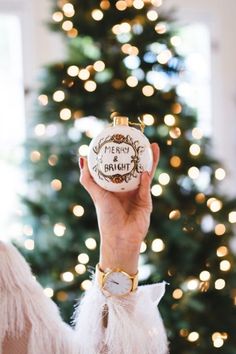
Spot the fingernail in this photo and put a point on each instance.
(81, 163)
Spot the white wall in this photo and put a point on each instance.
(219, 16)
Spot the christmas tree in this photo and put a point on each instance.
(122, 56)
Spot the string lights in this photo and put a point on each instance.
(147, 83)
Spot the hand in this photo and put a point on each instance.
(123, 218)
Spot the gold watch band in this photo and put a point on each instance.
(100, 276)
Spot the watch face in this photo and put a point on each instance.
(117, 283)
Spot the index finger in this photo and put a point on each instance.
(156, 156)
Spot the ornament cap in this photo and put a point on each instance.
(120, 120)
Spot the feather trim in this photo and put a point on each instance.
(24, 306)
(134, 324)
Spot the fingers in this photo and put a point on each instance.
(86, 179)
(146, 179)
(156, 156)
(144, 197)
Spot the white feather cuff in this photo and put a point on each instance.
(30, 322)
(134, 325)
(26, 311)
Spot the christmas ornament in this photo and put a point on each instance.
(119, 155)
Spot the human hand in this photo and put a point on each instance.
(123, 218)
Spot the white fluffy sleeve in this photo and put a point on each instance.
(128, 325)
(29, 322)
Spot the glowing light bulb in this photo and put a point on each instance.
(57, 16)
(195, 149)
(132, 81)
(156, 190)
(78, 210)
(35, 156)
(121, 5)
(174, 214)
(105, 4)
(148, 119)
(148, 90)
(91, 243)
(177, 294)
(218, 343)
(197, 133)
(67, 277)
(176, 108)
(158, 245)
(73, 70)
(214, 204)
(40, 129)
(83, 258)
(164, 179)
(169, 120)
(161, 28)
(99, 66)
(143, 247)
(232, 217)
(52, 160)
(124, 27)
(84, 74)
(164, 56)
(222, 251)
(67, 25)
(43, 100)
(152, 15)
(138, 4)
(193, 336)
(193, 284)
(86, 284)
(59, 229)
(73, 33)
(83, 150)
(56, 184)
(175, 133)
(225, 265)
(65, 114)
(58, 96)
(90, 85)
(220, 174)
(80, 269)
(97, 15)
(68, 10)
(193, 172)
(175, 161)
(204, 275)
(220, 229)
(219, 284)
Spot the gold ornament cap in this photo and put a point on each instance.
(120, 120)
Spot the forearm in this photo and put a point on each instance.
(116, 257)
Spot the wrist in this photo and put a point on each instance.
(117, 258)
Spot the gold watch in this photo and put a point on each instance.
(116, 282)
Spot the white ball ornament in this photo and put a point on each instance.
(118, 156)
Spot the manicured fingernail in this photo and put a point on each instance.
(81, 163)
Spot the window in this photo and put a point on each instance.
(195, 87)
(12, 120)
